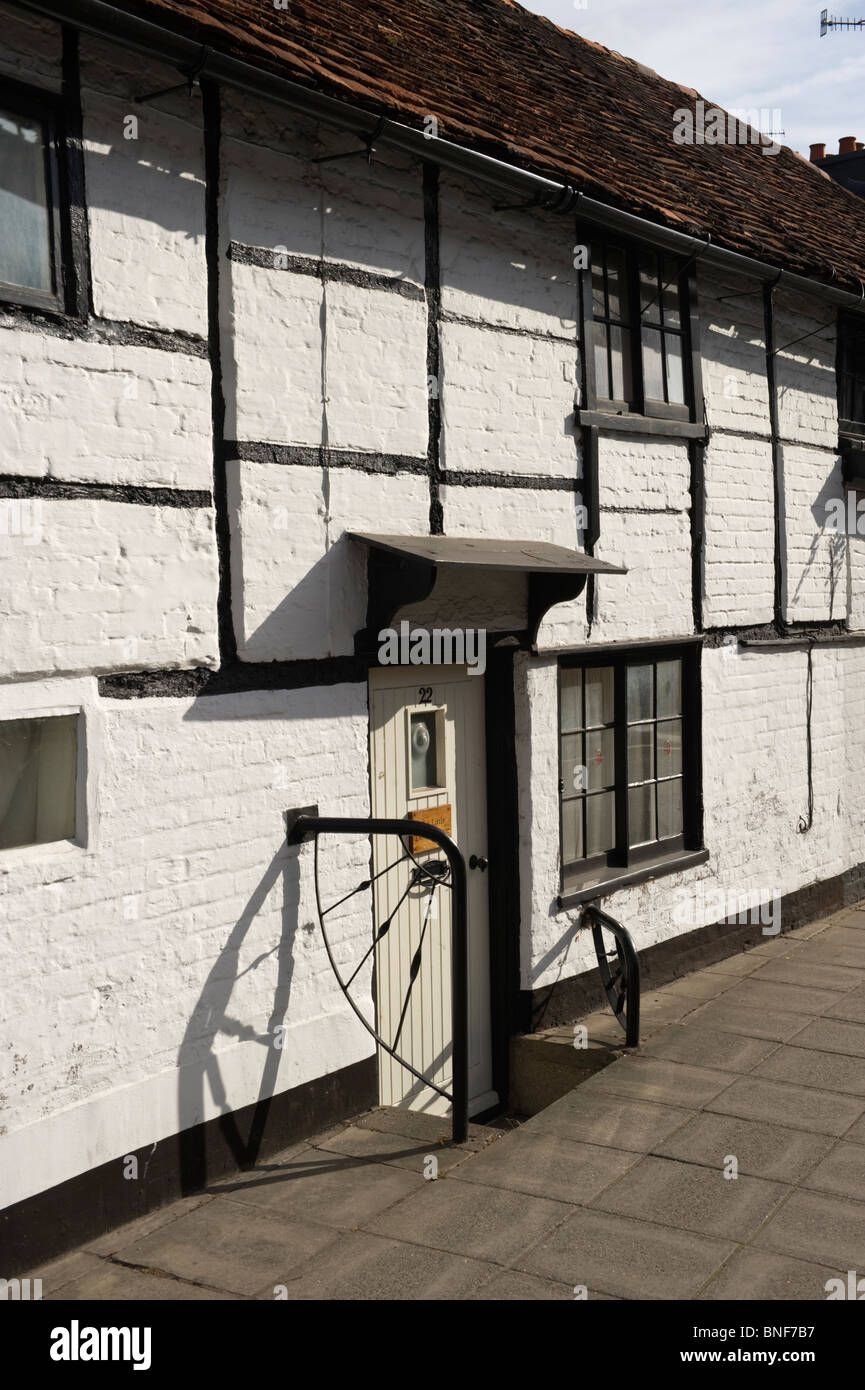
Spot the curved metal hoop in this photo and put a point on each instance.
(622, 983)
(421, 874)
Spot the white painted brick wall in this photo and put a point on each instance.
(94, 585)
(276, 196)
(273, 371)
(154, 978)
(376, 371)
(508, 269)
(279, 365)
(93, 412)
(739, 565)
(145, 201)
(654, 598)
(733, 348)
(648, 473)
(507, 402)
(501, 512)
(299, 585)
(855, 578)
(805, 346)
(815, 562)
(372, 365)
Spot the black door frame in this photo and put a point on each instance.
(503, 839)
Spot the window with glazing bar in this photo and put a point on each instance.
(628, 771)
(30, 242)
(639, 321)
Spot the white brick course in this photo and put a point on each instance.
(733, 352)
(371, 365)
(93, 412)
(146, 213)
(91, 585)
(507, 402)
(739, 563)
(814, 555)
(506, 268)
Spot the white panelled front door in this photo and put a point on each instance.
(427, 750)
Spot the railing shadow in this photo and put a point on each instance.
(198, 1062)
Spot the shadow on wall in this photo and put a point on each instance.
(198, 1061)
(822, 512)
(317, 617)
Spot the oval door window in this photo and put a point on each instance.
(423, 751)
(426, 760)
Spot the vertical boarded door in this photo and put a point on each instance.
(427, 749)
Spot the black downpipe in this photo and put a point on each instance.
(777, 479)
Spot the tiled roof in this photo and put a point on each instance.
(515, 85)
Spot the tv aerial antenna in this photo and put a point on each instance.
(826, 23)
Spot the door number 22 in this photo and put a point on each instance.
(425, 694)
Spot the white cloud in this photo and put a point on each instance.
(744, 53)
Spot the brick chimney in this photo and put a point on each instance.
(847, 167)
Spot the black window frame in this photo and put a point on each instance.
(851, 343)
(622, 859)
(36, 104)
(641, 407)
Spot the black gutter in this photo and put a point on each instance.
(189, 56)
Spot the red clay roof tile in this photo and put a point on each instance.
(515, 85)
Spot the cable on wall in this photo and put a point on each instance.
(805, 822)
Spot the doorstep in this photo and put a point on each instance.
(546, 1065)
(549, 1063)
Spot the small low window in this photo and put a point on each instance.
(38, 780)
(29, 241)
(629, 791)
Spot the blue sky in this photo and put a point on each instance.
(742, 53)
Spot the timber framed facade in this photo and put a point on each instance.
(251, 348)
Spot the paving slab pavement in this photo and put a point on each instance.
(725, 1159)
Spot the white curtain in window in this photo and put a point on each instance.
(38, 759)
